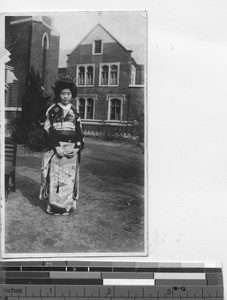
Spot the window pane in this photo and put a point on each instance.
(98, 46)
(82, 108)
(104, 75)
(115, 109)
(81, 76)
(89, 80)
(113, 75)
(90, 108)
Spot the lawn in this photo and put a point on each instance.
(110, 210)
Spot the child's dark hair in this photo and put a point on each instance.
(63, 83)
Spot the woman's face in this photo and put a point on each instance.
(65, 96)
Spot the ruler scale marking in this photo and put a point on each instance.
(117, 280)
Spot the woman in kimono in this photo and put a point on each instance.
(61, 159)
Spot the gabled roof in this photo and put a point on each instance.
(99, 25)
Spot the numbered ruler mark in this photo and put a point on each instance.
(165, 292)
(102, 291)
(109, 292)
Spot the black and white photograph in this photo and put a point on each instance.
(74, 125)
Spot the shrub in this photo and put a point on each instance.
(26, 129)
(35, 139)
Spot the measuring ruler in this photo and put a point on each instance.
(68, 280)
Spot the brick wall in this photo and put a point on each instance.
(61, 72)
(19, 34)
(25, 44)
(52, 55)
(38, 30)
(112, 52)
(136, 102)
(53, 63)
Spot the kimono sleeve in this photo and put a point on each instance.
(79, 133)
(51, 134)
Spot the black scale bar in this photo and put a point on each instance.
(72, 281)
(47, 281)
(109, 269)
(77, 269)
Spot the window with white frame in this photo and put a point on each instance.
(85, 75)
(97, 47)
(113, 74)
(109, 74)
(104, 75)
(89, 75)
(115, 106)
(115, 109)
(86, 106)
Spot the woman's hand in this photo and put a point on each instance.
(59, 151)
(71, 154)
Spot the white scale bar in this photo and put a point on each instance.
(179, 276)
(213, 265)
(135, 282)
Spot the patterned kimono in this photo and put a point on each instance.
(60, 175)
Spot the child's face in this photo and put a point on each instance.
(65, 96)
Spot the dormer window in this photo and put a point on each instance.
(97, 47)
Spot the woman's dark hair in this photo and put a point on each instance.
(63, 83)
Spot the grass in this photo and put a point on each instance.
(110, 211)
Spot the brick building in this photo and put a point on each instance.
(32, 42)
(109, 81)
(11, 91)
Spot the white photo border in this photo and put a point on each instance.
(22, 256)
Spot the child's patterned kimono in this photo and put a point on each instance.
(60, 175)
